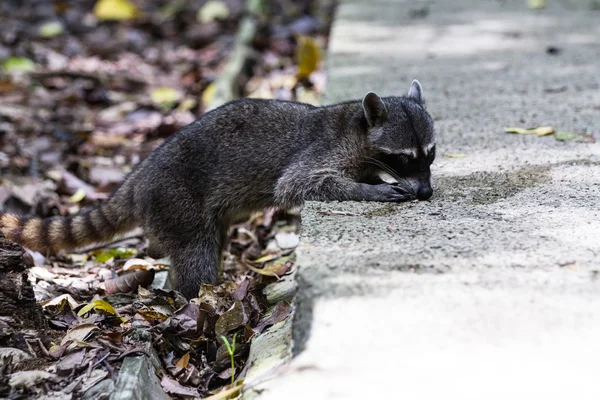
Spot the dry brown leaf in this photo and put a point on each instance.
(183, 361)
(79, 333)
(231, 319)
(130, 282)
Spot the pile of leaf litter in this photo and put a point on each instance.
(87, 90)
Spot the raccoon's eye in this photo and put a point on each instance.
(403, 158)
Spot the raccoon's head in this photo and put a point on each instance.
(403, 139)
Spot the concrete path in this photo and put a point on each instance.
(489, 290)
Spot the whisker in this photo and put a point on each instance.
(384, 167)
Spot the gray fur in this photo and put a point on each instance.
(251, 154)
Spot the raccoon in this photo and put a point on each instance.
(245, 156)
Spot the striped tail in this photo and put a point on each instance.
(97, 225)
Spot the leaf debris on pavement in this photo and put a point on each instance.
(563, 136)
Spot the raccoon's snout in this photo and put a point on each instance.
(424, 193)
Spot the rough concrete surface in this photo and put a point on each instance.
(489, 290)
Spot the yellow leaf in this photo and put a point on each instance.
(187, 104)
(308, 96)
(540, 131)
(544, 130)
(212, 10)
(536, 4)
(119, 10)
(104, 306)
(85, 309)
(208, 94)
(97, 305)
(183, 361)
(78, 196)
(458, 155)
(308, 56)
(165, 96)
(268, 257)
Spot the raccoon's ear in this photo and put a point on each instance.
(416, 92)
(374, 108)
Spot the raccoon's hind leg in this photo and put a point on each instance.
(196, 261)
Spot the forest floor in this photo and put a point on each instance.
(87, 92)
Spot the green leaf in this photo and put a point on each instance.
(536, 4)
(18, 65)
(568, 136)
(51, 29)
(226, 342)
(119, 252)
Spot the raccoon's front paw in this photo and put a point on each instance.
(388, 192)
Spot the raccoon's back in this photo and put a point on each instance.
(231, 157)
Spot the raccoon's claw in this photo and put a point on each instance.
(387, 192)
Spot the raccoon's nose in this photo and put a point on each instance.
(424, 193)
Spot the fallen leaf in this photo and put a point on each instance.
(536, 4)
(100, 305)
(90, 380)
(70, 362)
(29, 378)
(173, 387)
(62, 298)
(208, 94)
(540, 131)
(187, 104)
(308, 96)
(279, 313)
(567, 136)
(212, 10)
(268, 257)
(117, 252)
(275, 268)
(79, 333)
(50, 29)
(117, 10)
(78, 196)
(12, 354)
(242, 290)
(18, 65)
(231, 319)
(165, 96)
(457, 155)
(130, 282)
(183, 361)
(152, 316)
(137, 264)
(308, 56)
